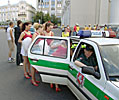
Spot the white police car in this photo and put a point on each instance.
(51, 57)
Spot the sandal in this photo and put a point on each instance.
(26, 76)
(35, 84)
(58, 89)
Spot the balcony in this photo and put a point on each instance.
(22, 15)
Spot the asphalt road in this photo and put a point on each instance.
(13, 85)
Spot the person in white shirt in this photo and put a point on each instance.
(10, 39)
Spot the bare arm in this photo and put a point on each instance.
(96, 68)
(21, 37)
(52, 34)
(11, 35)
(79, 64)
(34, 36)
(54, 46)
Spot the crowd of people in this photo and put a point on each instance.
(67, 32)
(21, 35)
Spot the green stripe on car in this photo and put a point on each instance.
(63, 66)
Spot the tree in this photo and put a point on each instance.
(44, 18)
(54, 19)
(47, 17)
(39, 16)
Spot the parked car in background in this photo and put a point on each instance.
(32, 30)
(55, 26)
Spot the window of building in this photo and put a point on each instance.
(59, 11)
(53, 12)
(53, 5)
(45, 12)
(59, 17)
(58, 5)
(22, 7)
(39, 6)
(5, 10)
(52, 0)
(8, 9)
(43, 6)
(47, 6)
(58, 1)
(52, 8)
(47, 0)
(17, 8)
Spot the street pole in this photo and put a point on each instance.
(41, 11)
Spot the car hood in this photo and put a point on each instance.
(116, 83)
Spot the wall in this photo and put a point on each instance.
(86, 12)
(114, 11)
(104, 7)
(83, 12)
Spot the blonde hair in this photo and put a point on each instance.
(37, 26)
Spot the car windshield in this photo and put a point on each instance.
(110, 57)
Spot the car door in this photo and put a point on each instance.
(87, 86)
(50, 56)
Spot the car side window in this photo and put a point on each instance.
(77, 52)
(56, 48)
(37, 47)
(80, 54)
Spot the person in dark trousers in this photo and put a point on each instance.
(18, 30)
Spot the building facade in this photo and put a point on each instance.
(85, 12)
(53, 7)
(114, 12)
(20, 11)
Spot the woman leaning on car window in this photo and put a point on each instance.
(48, 32)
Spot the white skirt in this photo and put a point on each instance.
(23, 52)
(25, 45)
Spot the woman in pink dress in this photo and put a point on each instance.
(61, 50)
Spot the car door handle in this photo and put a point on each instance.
(71, 67)
(34, 60)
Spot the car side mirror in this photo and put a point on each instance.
(90, 71)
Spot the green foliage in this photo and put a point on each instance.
(39, 15)
(54, 19)
(45, 18)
